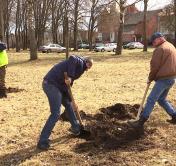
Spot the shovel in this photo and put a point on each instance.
(75, 108)
(142, 103)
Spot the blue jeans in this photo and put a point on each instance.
(159, 94)
(55, 99)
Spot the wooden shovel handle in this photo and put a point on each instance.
(75, 108)
(142, 103)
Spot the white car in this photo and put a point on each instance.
(52, 48)
(134, 45)
(106, 47)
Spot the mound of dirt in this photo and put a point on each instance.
(109, 126)
(13, 90)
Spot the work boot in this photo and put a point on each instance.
(172, 121)
(43, 145)
(85, 134)
(137, 124)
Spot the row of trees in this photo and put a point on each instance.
(30, 19)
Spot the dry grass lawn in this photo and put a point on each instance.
(113, 79)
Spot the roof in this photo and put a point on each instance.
(135, 18)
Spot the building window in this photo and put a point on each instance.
(100, 36)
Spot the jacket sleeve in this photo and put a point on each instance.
(72, 62)
(155, 63)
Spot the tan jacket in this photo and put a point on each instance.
(163, 62)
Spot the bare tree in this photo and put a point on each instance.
(56, 14)
(32, 39)
(122, 5)
(8, 8)
(2, 35)
(42, 9)
(96, 7)
(145, 25)
(66, 27)
(168, 18)
(18, 22)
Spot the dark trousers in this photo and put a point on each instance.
(2, 81)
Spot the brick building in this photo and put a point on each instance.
(108, 23)
(133, 25)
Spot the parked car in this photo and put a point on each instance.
(136, 45)
(127, 45)
(106, 47)
(52, 48)
(83, 46)
(132, 45)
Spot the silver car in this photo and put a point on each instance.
(52, 48)
(106, 47)
(134, 45)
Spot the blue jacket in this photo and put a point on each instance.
(74, 66)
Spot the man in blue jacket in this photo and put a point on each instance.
(55, 87)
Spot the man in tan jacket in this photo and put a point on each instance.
(163, 72)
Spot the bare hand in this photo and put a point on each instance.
(148, 81)
(68, 81)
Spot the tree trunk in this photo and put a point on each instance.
(32, 39)
(120, 32)
(145, 26)
(2, 36)
(17, 29)
(66, 36)
(76, 25)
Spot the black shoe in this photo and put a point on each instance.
(43, 145)
(85, 134)
(172, 121)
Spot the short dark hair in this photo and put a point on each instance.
(2, 46)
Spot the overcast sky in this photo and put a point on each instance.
(152, 4)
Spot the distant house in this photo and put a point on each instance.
(166, 23)
(133, 26)
(108, 24)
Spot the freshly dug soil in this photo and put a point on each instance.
(13, 90)
(109, 127)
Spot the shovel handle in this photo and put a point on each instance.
(142, 103)
(75, 108)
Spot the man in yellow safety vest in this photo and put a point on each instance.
(3, 64)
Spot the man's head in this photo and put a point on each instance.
(89, 62)
(156, 39)
(2, 46)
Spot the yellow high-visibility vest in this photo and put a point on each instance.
(3, 58)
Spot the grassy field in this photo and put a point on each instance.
(112, 79)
